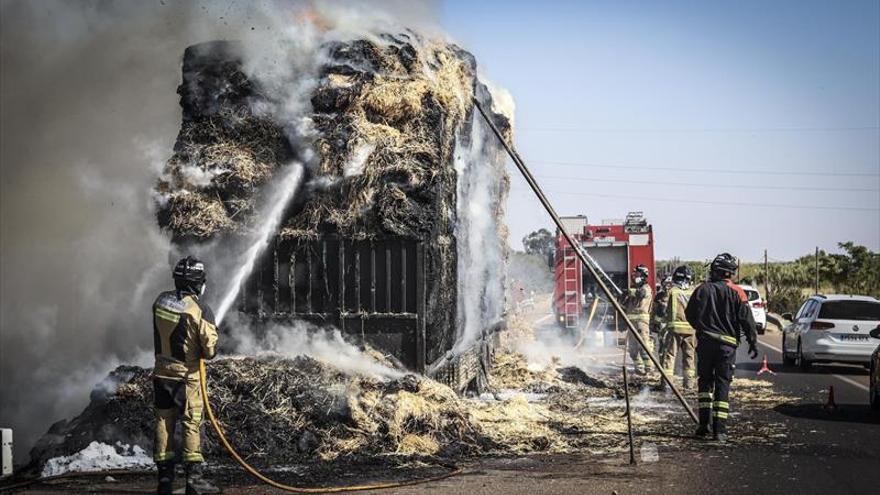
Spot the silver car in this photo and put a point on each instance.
(832, 328)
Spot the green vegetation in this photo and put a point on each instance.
(540, 242)
(855, 270)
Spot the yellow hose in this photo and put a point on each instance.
(294, 489)
(589, 322)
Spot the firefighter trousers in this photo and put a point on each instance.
(638, 355)
(672, 342)
(177, 400)
(715, 365)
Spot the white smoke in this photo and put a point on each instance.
(301, 338)
(480, 249)
(502, 100)
(355, 166)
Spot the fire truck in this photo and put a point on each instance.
(617, 246)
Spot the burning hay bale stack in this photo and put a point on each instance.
(226, 149)
(397, 169)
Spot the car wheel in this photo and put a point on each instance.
(802, 363)
(787, 360)
(761, 329)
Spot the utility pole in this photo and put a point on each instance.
(766, 282)
(817, 269)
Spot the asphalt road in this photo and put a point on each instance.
(824, 452)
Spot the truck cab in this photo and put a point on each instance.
(617, 246)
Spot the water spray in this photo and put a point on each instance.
(278, 201)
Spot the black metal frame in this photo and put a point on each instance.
(373, 289)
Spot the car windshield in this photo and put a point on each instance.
(850, 310)
(753, 295)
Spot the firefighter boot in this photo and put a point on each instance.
(687, 383)
(702, 432)
(720, 431)
(166, 478)
(196, 484)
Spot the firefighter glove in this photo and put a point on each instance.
(753, 351)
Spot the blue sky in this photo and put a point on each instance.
(704, 115)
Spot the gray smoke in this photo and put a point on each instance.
(89, 115)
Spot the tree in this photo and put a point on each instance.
(540, 242)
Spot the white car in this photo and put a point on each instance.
(759, 310)
(832, 328)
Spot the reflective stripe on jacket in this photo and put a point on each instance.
(638, 304)
(719, 309)
(676, 303)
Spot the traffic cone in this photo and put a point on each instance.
(765, 367)
(831, 405)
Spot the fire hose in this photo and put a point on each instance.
(295, 489)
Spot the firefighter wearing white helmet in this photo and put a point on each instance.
(637, 304)
(183, 333)
(679, 334)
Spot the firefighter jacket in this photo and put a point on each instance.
(676, 302)
(720, 310)
(183, 332)
(637, 303)
(658, 310)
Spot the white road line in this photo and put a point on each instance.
(839, 377)
(544, 318)
(852, 382)
(770, 346)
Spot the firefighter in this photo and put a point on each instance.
(658, 313)
(679, 334)
(637, 304)
(720, 313)
(183, 332)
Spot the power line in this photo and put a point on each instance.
(719, 203)
(722, 186)
(711, 171)
(673, 130)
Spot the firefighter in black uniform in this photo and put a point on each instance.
(720, 313)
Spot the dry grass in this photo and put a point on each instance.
(197, 214)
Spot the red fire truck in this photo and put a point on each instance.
(617, 246)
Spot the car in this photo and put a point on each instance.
(759, 310)
(874, 377)
(831, 328)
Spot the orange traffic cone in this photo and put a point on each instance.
(831, 405)
(765, 367)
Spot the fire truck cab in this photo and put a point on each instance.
(618, 246)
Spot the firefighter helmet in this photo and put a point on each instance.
(724, 265)
(682, 274)
(640, 275)
(189, 272)
(641, 271)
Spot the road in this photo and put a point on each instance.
(823, 452)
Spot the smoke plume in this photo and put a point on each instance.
(89, 115)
